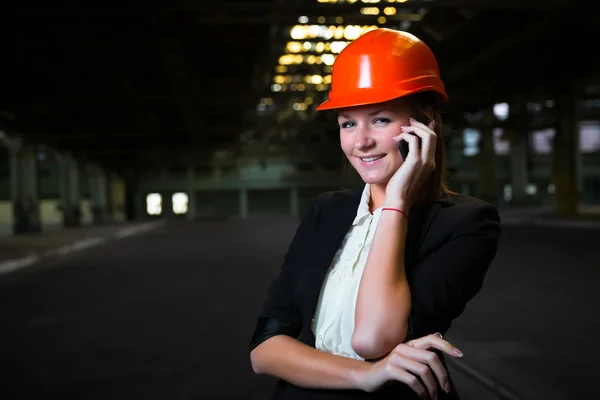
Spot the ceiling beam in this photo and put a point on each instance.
(510, 43)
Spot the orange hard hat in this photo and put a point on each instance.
(381, 65)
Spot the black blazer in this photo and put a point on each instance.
(450, 244)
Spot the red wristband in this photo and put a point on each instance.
(395, 209)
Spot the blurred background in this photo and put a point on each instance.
(155, 158)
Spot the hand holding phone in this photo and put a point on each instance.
(404, 187)
(402, 145)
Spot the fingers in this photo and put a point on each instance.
(422, 371)
(435, 341)
(428, 138)
(414, 152)
(431, 362)
(400, 375)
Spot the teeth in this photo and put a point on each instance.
(371, 159)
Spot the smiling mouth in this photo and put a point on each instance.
(371, 159)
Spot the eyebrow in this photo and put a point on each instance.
(372, 113)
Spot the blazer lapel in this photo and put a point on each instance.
(336, 220)
(420, 218)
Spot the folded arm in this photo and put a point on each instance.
(275, 350)
(443, 283)
(440, 285)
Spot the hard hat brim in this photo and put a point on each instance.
(368, 97)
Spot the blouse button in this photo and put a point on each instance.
(320, 337)
(360, 245)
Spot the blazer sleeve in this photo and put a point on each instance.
(444, 282)
(279, 314)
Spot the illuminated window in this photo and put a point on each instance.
(501, 145)
(589, 137)
(501, 111)
(541, 141)
(471, 139)
(180, 203)
(154, 204)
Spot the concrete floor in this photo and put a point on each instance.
(169, 314)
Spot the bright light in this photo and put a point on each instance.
(328, 59)
(337, 47)
(154, 204)
(352, 32)
(317, 79)
(369, 11)
(294, 47)
(501, 111)
(180, 203)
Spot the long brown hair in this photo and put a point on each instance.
(436, 185)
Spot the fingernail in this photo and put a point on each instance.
(447, 388)
(439, 334)
(458, 352)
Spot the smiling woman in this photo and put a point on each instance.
(375, 275)
(367, 133)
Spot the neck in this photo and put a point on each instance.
(377, 196)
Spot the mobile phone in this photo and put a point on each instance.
(402, 145)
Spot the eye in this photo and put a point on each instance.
(347, 124)
(382, 120)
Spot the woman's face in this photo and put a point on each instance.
(366, 137)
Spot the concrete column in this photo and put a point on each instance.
(486, 159)
(244, 203)
(191, 192)
(99, 194)
(70, 191)
(140, 206)
(578, 155)
(24, 190)
(294, 201)
(518, 167)
(565, 177)
(116, 197)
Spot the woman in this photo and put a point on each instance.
(374, 276)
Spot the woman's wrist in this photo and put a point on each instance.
(357, 375)
(397, 204)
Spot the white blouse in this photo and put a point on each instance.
(333, 323)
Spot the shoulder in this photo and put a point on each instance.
(335, 200)
(464, 214)
(332, 206)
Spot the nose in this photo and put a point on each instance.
(363, 139)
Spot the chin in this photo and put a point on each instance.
(374, 179)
